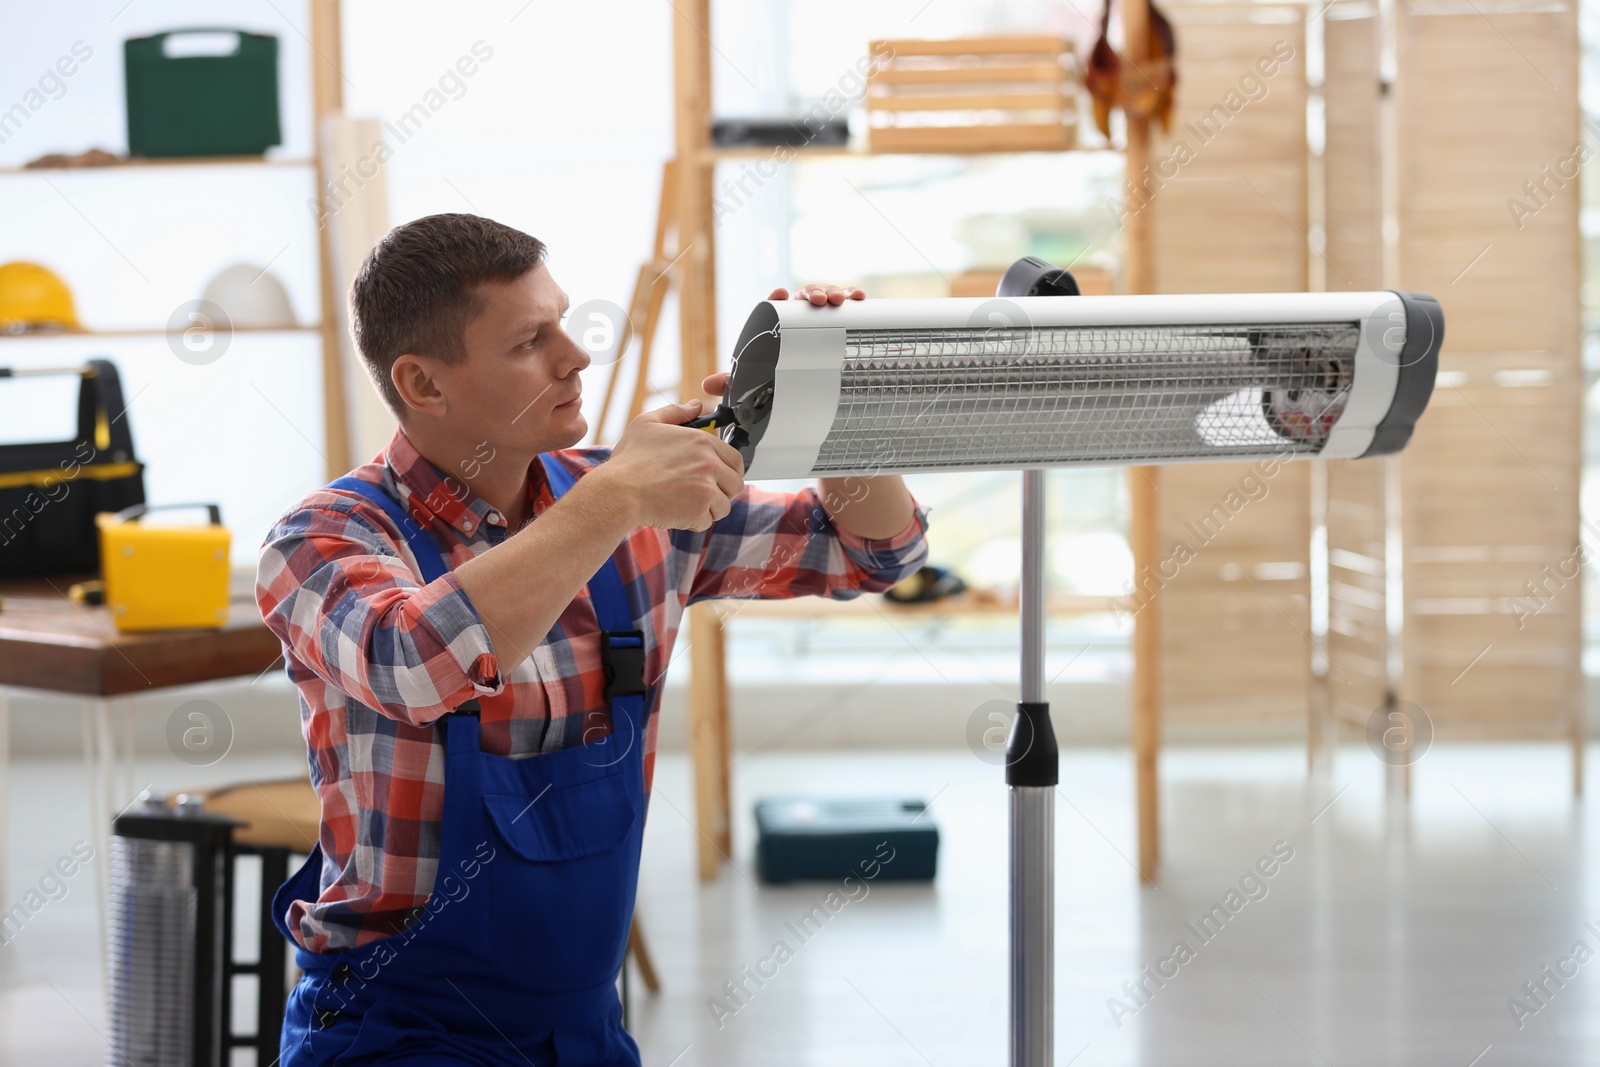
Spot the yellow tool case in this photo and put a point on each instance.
(164, 576)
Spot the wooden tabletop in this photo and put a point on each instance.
(48, 642)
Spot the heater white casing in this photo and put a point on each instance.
(812, 347)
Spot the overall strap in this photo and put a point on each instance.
(621, 642)
(431, 562)
(560, 478)
(422, 545)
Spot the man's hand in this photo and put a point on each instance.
(819, 295)
(659, 474)
(673, 476)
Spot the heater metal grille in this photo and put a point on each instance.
(1013, 396)
(152, 952)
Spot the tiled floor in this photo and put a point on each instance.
(1392, 935)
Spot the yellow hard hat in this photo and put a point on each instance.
(33, 298)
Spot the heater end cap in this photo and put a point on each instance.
(1418, 364)
(750, 388)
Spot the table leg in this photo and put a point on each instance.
(91, 777)
(105, 732)
(5, 791)
(126, 792)
(99, 761)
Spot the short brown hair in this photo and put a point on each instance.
(416, 291)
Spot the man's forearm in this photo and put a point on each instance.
(521, 586)
(874, 508)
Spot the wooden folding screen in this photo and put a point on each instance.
(1488, 145)
(1229, 189)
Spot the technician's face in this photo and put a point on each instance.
(518, 387)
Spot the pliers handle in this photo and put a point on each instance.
(718, 417)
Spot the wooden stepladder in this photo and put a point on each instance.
(649, 295)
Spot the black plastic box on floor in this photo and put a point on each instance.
(806, 839)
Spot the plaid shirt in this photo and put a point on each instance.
(377, 656)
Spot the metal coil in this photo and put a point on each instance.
(1011, 396)
(152, 919)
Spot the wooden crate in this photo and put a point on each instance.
(1014, 93)
(1489, 484)
(1233, 218)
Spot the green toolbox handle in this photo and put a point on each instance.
(234, 30)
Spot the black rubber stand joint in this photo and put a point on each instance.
(1031, 755)
(1032, 276)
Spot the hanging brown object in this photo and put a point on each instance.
(1152, 94)
(1144, 88)
(1102, 76)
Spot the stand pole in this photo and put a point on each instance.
(1032, 772)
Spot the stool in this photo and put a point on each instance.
(281, 819)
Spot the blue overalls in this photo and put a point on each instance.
(514, 959)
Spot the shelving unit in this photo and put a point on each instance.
(696, 160)
(327, 99)
(100, 753)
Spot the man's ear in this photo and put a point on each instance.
(413, 379)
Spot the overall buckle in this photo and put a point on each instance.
(622, 655)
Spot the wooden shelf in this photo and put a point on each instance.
(873, 605)
(63, 334)
(158, 164)
(718, 155)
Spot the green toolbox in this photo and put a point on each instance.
(804, 839)
(202, 92)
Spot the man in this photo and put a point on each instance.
(478, 622)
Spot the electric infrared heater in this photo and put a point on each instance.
(1040, 377)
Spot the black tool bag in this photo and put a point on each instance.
(50, 492)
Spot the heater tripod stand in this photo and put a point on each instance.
(1032, 759)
